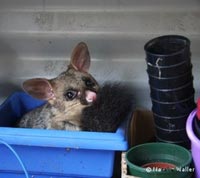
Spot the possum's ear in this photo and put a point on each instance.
(39, 88)
(80, 58)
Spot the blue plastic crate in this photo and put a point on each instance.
(53, 153)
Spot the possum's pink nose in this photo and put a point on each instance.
(90, 96)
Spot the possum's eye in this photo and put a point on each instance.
(88, 82)
(71, 94)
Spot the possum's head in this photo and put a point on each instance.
(70, 91)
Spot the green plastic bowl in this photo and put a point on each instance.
(159, 160)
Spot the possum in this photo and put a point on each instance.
(75, 100)
(66, 95)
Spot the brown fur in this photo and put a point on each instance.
(60, 112)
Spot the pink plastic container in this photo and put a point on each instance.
(195, 142)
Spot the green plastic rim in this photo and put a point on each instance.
(149, 151)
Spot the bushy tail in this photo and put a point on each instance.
(114, 103)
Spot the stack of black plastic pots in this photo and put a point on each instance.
(169, 70)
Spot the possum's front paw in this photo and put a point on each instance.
(63, 125)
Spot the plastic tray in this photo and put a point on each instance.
(53, 153)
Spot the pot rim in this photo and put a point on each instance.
(169, 117)
(189, 84)
(189, 129)
(169, 130)
(143, 170)
(171, 66)
(188, 73)
(173, 102)
(172, 142)
(153, 41)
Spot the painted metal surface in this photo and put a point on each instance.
(37, 36)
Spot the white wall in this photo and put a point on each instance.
(37, 36)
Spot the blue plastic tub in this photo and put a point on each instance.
(52, 153)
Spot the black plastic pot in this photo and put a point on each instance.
(169, 71)
(170, 82)
(167, 50)
(178, 135)
(173, 109)
(173, 95)
(170, 123)
(183, 143)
